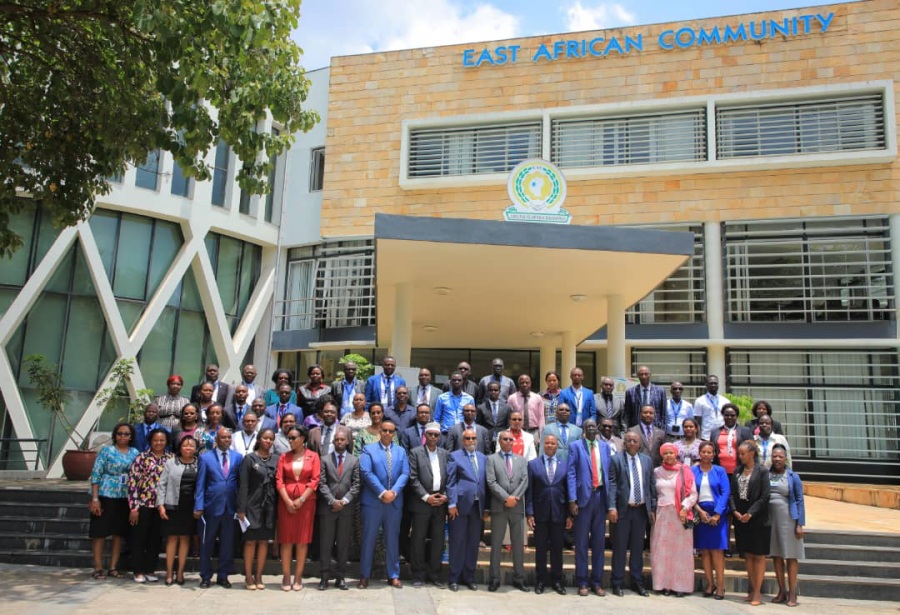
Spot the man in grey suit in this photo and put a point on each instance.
(493, 411)
(454, 436)
(507, 481)
(610, 406)
(652, 437)
(563, 431)
(428, 505)
(338, 488)
(425, 392)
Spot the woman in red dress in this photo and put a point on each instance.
(296, 480)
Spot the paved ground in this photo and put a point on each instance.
(34, 590)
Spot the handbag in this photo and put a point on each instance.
(691, 521)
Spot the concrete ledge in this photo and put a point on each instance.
(881, 496)
(22, 474)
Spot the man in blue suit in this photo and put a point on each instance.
(588, 483)
(275, 412)
(382, 388)
(579, 399)
(632, 506)
(384, 471)
(467, 500)
(142, 430)
(545, 511)
(644, 394)
(214, 505)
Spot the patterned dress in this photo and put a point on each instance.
(170, 410)
(672, 546)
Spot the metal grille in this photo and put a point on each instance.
(809, 271)
(686, 365)
(838, 124)
(682, 296)
(833, 404)
(469, 151)
(643, 139)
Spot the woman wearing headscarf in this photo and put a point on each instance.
(750, 508)
(171, 403)
(788, 516)
(711, 510)
(671, 538)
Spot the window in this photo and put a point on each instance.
(647, 139)
(237, 267)
(244, 201)
(317, 169)
(809, 271)
(220, 174)
(181, 184)
(147, 175)
(467, 151)
(839, 124)
(682, 296)
(687, 365)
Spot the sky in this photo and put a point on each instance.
(347, 27)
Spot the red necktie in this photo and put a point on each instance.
(341, 465)
(595, 476)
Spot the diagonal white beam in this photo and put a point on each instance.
(258, 308)
(105, 295)
(15, 406)
(214, 311)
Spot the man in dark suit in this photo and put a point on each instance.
(321, 439)
(221, 391)
(564, 432)
(284, 405)
(214, 504)
(233, 411)
(609, 406)
(344, 389)
(428, 505)
(506, 384)
(652, 437)
(493, 412)
(507, 480)
(382, 388)
(454, 436)
(142, 430)
(384, 471)
(467, 500)
(631, 508)
(338, 489)
(642, 394)
(580, 399)
(545, 510)
(588, 486)
(414, 436)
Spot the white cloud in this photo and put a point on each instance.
(600, 17)
(347, 27)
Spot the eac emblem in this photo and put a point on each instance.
(537, 189)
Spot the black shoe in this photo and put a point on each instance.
(454, 587)
(559, 589)
(323, 585)
(640, 590)
(678, 594)
(520, 585)
(204, 583)
(472, 586)
(617, 590)
(224, 583)
(665, 592)
(341, 584)
(539, 588)
(438, 585)
(493, 586)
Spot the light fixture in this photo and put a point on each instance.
(537, 334)
(577, 298)
(430, 328)
(442, 290)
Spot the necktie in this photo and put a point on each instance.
(422, 432)
(388, 392)
(326, 439)
(643, 397)
(494, 411)
(595, 462)
(474, 462)
(609, 407)
(240, 413)
(225, 463)
(635, 483)
(648, 432)
(508, 464)
(390, 464)
(340, 465)
(564, 433)
(281, 414)
(551, 468)
(525, 409)
(423, 395)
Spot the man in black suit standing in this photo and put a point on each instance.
(631, 509)
(233, 412)
(338, 489)
(652, 437)
(609, 406)
(493, 412)
(642, 394)
(454, 436)
(221, 391)
(428, 505)
(545, 510)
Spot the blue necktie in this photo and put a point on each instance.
(635, 483)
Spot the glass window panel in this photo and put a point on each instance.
(167, 241)
(220, 174)
(133, 257)
(44, 330)
(189, 345)
(47, 234)
(14, 271)
(210, 352)
(190, 296)
(105, 228)
(181, 185)
(84, 336)
(82, 282)
(156, 355)
(227, 273)
(131, 312)
(7, 296)
(61, 280)
(212, 248)
(249, 276)
(147, 173)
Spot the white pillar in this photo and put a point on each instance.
(894, 222)
(615, 337)
(715, 360)
(715, 299)
(548, 358)
(401, 340)
(568, 357)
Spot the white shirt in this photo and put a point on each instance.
(709, 410)
(251, 393)
(242, 442)
(679, 412)
(435, 462)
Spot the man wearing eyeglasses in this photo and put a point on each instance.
(507, 480)
(384, 470)
(467, 495)
(428, 505)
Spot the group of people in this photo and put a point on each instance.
(379, 463)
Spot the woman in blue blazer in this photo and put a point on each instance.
(711, 514)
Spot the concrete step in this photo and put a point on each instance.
(30, 525)
(44, 510)
(44, 542)
(43, 496)
(853, 553)
(861, 539)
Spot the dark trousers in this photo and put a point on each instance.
(629, 536)
(590, 531)
(145, 541)
(465, 532)
(425, 560)
(335, 525)
(548, 535)
(211, 528)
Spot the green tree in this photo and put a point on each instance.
(87, 86)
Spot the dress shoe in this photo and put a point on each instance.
(665, 592)
(472, 586)
(617, 590)
(454, 587)
(224, 583)
(438, 585)
(640, 590)
(583, 591)
(596, 589)
(323, 585)
(520, 585)
(341, 584)
(539, 588)
(395, 583)
(417, 583)
(493, 586)
(559, 589)
(678, 594)
(204, 583)
(363, 584)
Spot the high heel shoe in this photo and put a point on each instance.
(709, 591)
(168, 582)
(286, 584)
